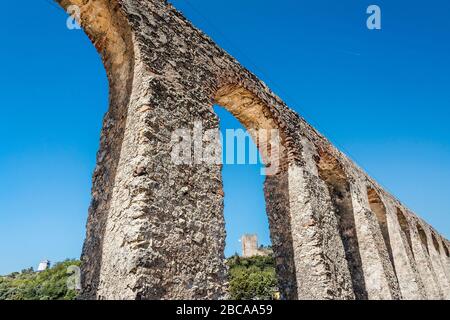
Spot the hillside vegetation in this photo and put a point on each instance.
(249, 279)
(252, 278)
(50, 284)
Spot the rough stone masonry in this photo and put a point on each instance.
(156, 230)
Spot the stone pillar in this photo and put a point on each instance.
(378, 271)
(410, 283)
(437, 265)
(321, 267)
(165, 233)
(156, 228)
(422, 257)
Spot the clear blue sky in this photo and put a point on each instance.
(383, 97)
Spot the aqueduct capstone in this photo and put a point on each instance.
(156, 229)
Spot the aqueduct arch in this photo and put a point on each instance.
(156, 229)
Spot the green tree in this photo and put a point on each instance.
(252, 278)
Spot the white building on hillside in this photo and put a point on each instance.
(44, 265)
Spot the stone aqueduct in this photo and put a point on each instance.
(156, 230)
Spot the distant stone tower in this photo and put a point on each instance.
(250, 246)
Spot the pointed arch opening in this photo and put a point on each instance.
(435, 242)
(379, 209)
(446, 251)
(248, 248)
(404, 226)
(423, 237)
(262, 128)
